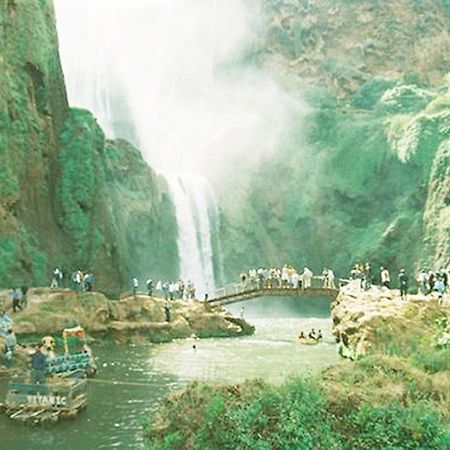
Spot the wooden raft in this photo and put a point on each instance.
(60, 398)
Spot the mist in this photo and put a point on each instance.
(282, 307)
(170, 76)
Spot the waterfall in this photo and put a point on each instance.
(197, 218)
(170, 77)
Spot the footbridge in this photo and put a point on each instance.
(239, 292)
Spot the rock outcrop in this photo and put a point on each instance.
(364, 319)
(132, 317)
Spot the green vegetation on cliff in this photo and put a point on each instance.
(32, 107)
(361, 174)
(81, 185)
(67, 198)
(115, 212)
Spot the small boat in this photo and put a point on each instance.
(309, 341)
(60, 398)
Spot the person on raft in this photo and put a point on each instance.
(301, 335)
(313, 335)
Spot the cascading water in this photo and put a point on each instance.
(196, 217)
(168, 76)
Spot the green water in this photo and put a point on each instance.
(132, 379)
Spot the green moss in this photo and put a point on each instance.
(371, 92)
(81, 182)
(21, 261)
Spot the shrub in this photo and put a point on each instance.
(395, 427)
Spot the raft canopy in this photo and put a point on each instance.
(73, 332)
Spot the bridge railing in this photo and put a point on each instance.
(250, 286)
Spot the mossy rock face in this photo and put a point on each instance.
(351, 185)
(351, 179)
(32, 108)
(142, 214)
(116, 211)
(64, 199)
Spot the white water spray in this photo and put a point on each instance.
(196, 216)
(168, 76)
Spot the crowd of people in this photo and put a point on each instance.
(286, 277)
(428, 281)
(79, 281)
(170, 290)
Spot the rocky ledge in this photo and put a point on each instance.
(360, 316)
(131, 317)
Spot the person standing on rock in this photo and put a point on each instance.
(16, 300)
(367, 276)
(149, 284)
(439, 287)
(385, 277)
(56, 280)
(403, 280)
(423, 282)
(24, 300)
(135, 284)
(165, 290)
(78, 280)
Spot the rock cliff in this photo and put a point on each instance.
(68, 198)
(362, 173)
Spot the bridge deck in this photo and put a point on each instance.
(246, 293)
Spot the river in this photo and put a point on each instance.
(131, 379)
